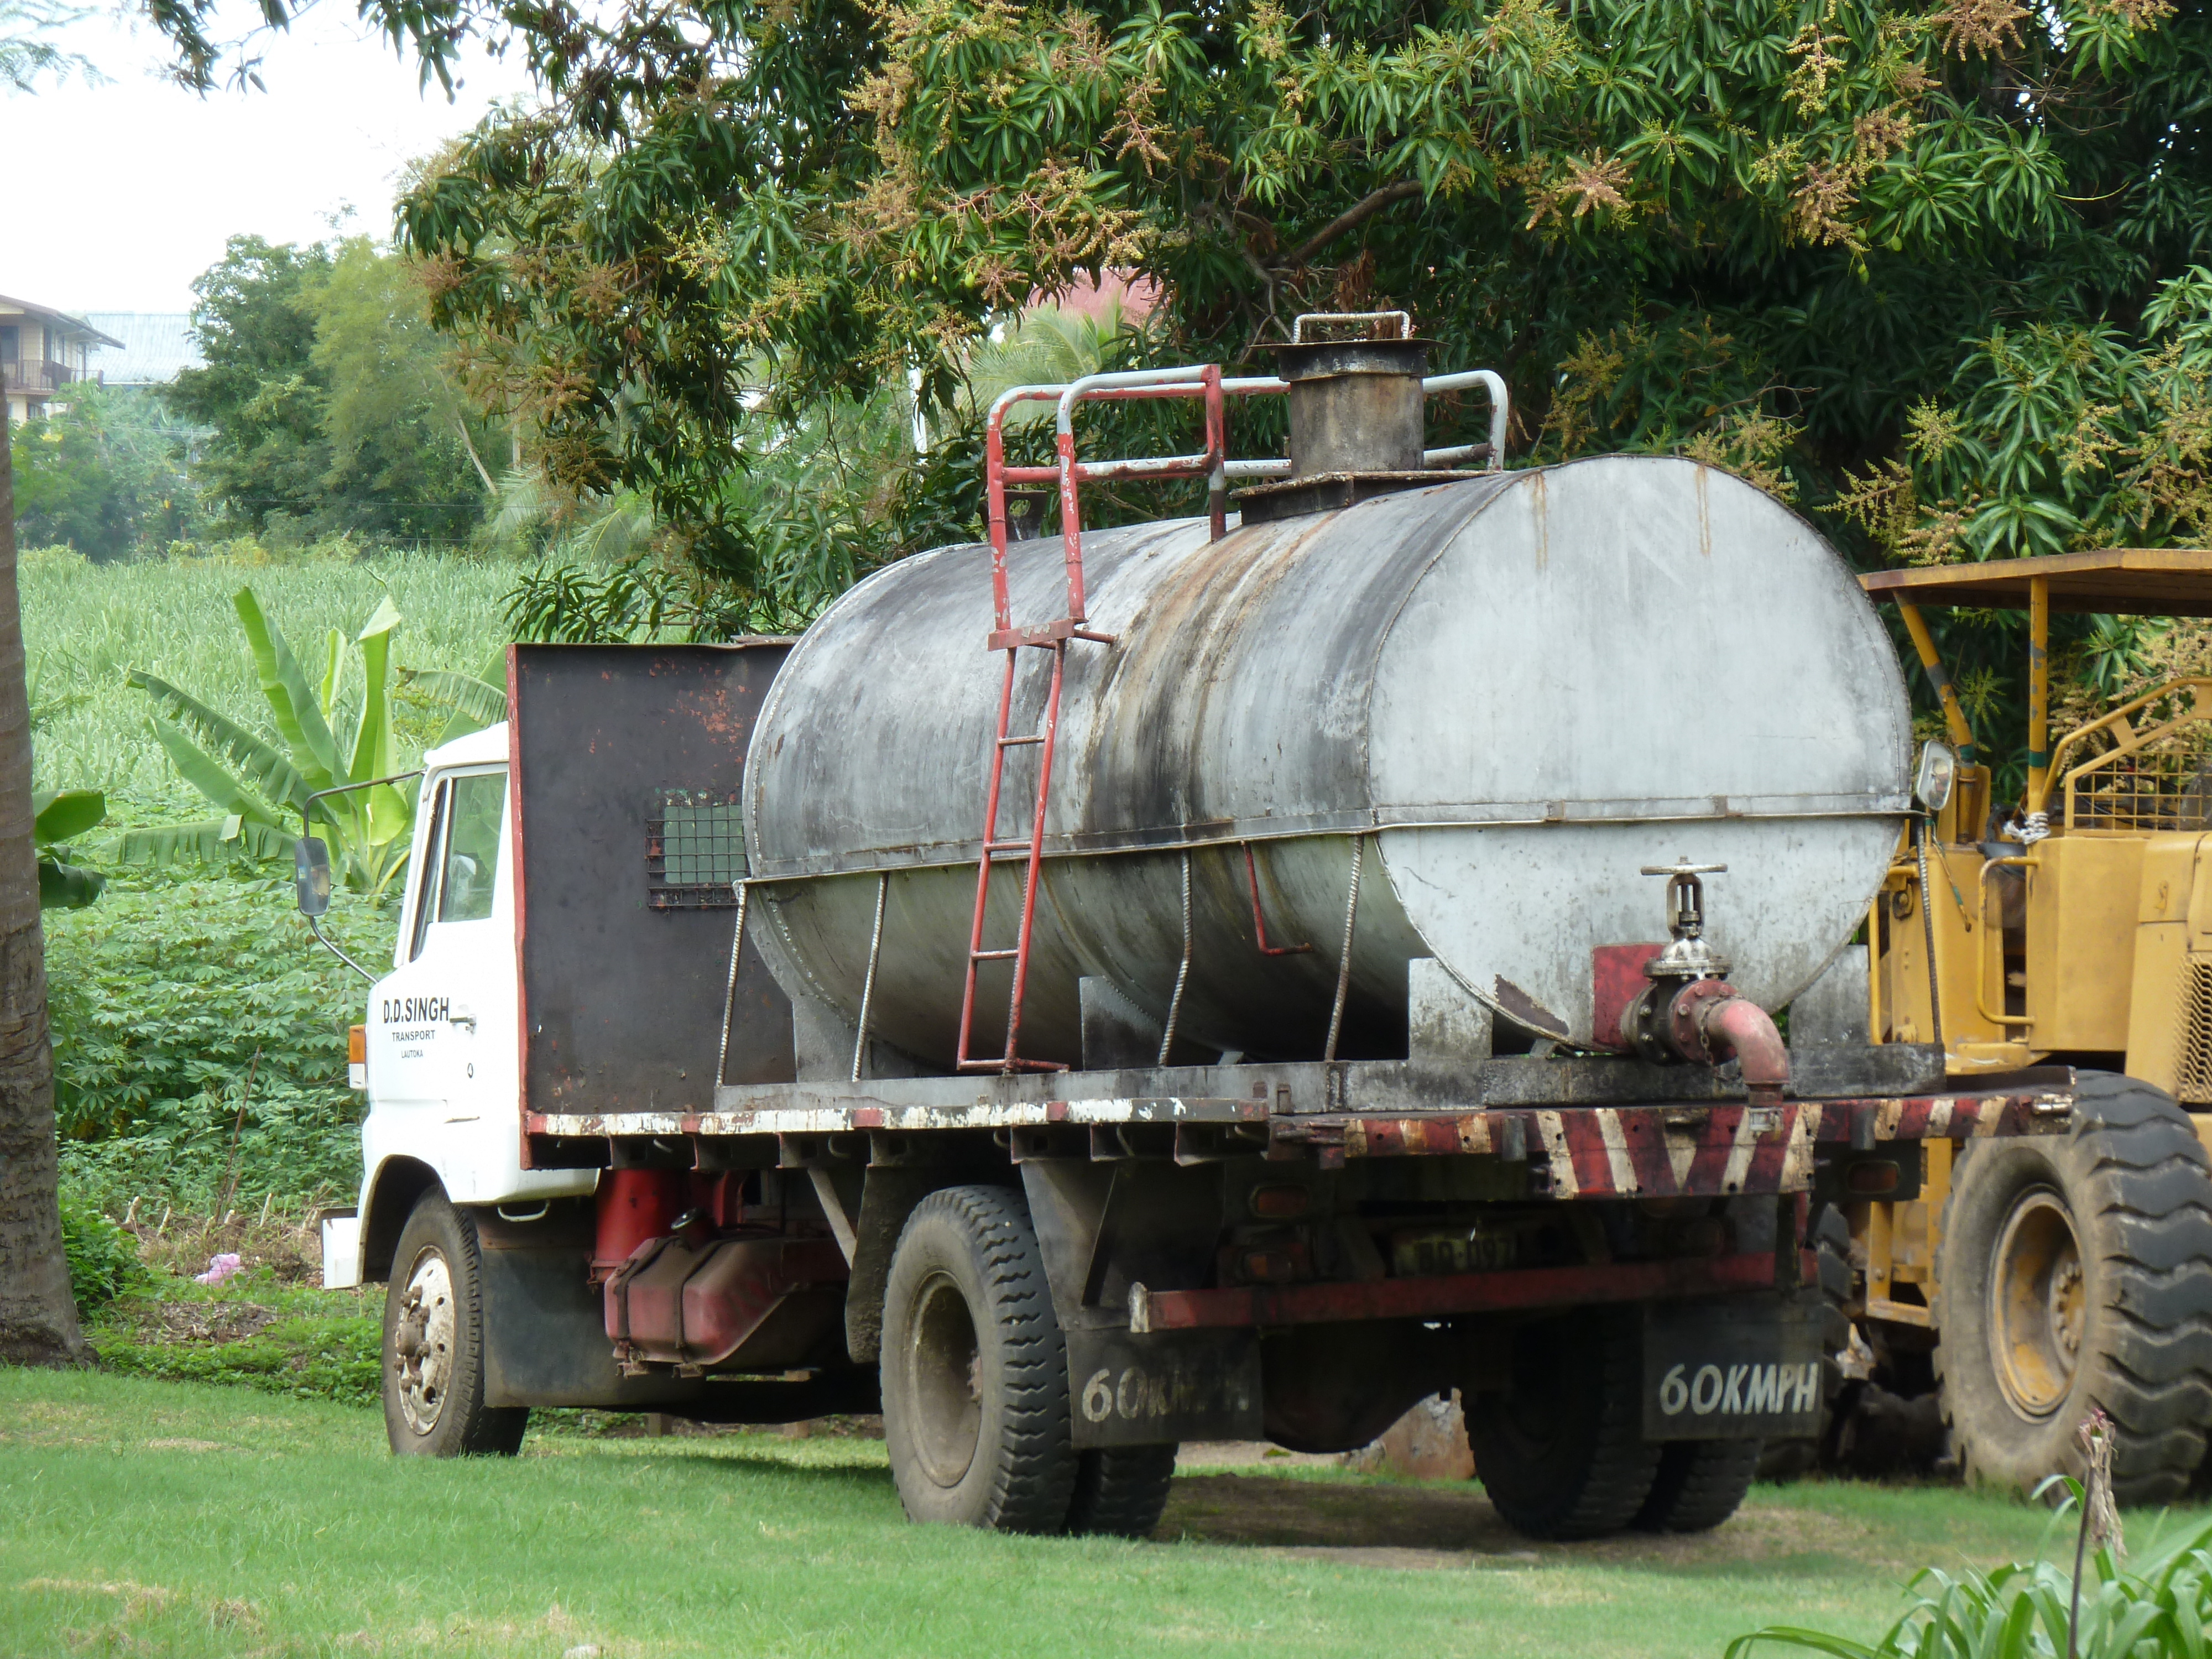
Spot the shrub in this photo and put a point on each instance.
(103, 1259)
(167, 996)
(305, 1357)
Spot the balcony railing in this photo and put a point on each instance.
(32, 374)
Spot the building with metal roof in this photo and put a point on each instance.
(153, 346)
(42, 352)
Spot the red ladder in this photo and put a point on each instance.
(1203, 381)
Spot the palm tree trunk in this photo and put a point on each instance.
(38, 1316)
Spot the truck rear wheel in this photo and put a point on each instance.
(1121, 1493)
(1698, 1486)
(434, 1346)
(1562, 1453)
(974, 1369)
(2074, 1273)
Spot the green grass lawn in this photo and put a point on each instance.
(149, 1517)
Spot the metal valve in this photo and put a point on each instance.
(1685, 894)
(1689, 956)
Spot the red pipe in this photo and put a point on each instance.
(1737, 1026)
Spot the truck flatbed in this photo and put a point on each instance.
(1600, 1126)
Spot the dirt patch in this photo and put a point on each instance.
(1241, 1454)
(291, 1249)
(1418, 1527)
(202, 1322)
(136, 1598)
(185, 1445)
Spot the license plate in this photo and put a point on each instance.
(1746, 1369)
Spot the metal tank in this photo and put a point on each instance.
(1496, 699)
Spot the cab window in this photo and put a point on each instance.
(426, 897)
(471, 865)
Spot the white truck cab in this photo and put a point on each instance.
(442, 1045)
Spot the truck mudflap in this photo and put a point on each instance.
(1130, 1390)
(1746, 1369)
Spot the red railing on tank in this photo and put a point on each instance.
(1069, 473)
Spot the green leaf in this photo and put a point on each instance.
(299, 718)
(1792, 1635)
(372, 741)
(333, 671)
(201, 771)
(215, 841)
(67, 886)
(476, 703)
(65, 814)
(259, 762)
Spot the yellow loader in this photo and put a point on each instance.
(2024, 1282)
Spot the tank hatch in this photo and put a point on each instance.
(1357, 427)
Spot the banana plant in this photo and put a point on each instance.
(262, 787)
(60, 816)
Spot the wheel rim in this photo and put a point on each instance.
(2038, 1304)
(945, 1381)
(422, 1342)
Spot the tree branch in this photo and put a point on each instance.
(1358, 214)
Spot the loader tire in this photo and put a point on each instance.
(974, 1369)
(1121, 1493)
(1562, 1453)
(2076, 1271)
(1830, 1293)
(433, 1343)
(1698, 1486)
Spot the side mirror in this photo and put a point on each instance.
(311, 875)
(1938, 772)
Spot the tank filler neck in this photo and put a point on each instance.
(1357, 386)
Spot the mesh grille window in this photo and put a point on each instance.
(695, 850)
(2168, 787)
(2193, 1086)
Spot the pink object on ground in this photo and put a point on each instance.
(218, 1268)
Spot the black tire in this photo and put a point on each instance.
(1698, 1486)
(1121, 1493)
(434, 1346)
(974, 1369)
(1562, 1454)
(2076, 1271)
(1831, 1292)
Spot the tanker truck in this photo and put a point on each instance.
(1225, 978)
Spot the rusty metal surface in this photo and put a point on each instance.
(1327, 492)
(1508, 1290)
(1687, 1131)
(1356, 406)
(622, 1002)
(1479, 670)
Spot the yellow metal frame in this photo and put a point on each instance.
(1982, 956)
(2134, 741)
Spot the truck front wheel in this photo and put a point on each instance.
(1561, 1453)
(974, 1369)
(2077, 1272)
(434, 1346)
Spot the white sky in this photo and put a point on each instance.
(134, 185)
